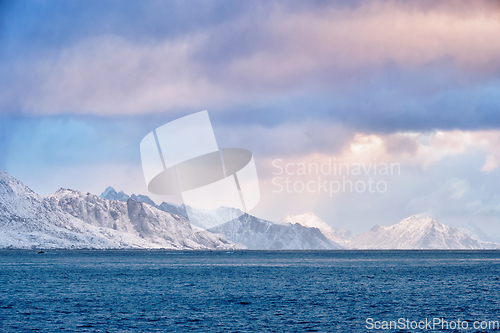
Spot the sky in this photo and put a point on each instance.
(408, 88)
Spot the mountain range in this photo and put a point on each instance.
(418, 233)
(73, 219)
(245, 229)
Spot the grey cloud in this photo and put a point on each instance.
(254, 64)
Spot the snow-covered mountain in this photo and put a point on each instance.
(309, 220)
(415, 233)
(111, 194)
(71, 219)
(245, 229)
(27, 220)
(296, 232)
(260, 234)
(137, 218)
(201, 218)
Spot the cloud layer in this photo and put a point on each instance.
(384, 65)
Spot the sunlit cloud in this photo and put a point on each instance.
(302, 50)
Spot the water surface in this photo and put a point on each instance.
(243, 291)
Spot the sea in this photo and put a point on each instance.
(249, 291)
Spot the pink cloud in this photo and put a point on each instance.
(306, 49)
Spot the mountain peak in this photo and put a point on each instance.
(109, 191)
(65, 190)
(376, 228)
(310, 220)
(141, 198)
(416, 233)
(13, 187)
(415, 220)
(110, 194)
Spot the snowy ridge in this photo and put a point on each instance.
(415, 233)
(72, 219)
(27, 220)
(309, 220)
(136, 218)
(242, 228)
(411, 233)
(111, 194)
(201, 218)
(260, 234)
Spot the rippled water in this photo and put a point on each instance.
(244, 291)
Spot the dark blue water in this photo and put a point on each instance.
(243, 291)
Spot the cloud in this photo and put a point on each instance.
(383, 65)
(490, 164)
(289, 139)
(409, 150)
